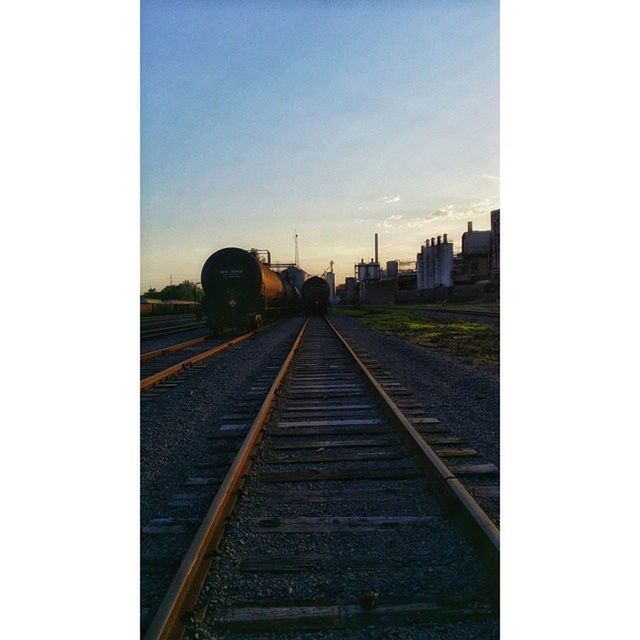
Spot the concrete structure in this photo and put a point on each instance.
(476, 247)
(351, 290)
(392, 269)
(378, 286)
(434, 264)
(380, 291)
(330, 277)
(366, 272)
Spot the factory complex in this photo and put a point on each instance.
(436, 275)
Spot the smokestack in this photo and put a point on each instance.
(444, 238)
(376, 252)
(469, 226)
(433, 241)
(439, 238)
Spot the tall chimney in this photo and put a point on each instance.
(439, 238)
(469, 226)
(444, 238)
(376, 247)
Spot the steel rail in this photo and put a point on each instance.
(181, 597)
(428, 459)
(170, 330)
(174, 347)
(149, 381)
(160, 317)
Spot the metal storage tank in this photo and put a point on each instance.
(392, 269)
(296, 276)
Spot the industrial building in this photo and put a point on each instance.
(330, 277)
(351, 290)
(437, 273)
(367, 272)
(476, 247)
(380, 286)
(434, 264)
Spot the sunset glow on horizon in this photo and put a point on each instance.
(332, 121)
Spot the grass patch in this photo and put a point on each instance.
(475, 342)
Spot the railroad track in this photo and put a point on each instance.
(162, 368)
(170, 328)
(339, 511)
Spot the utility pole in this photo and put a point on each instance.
(171, 279)
(297, 259)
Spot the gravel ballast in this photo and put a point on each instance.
(179, 426)
(171, 424)
(463, 397)
(452, 569)
(152, 344)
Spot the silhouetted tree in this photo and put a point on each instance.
(186, 290)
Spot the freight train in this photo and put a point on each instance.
(152, 307)
(315, 296)
(240, 292)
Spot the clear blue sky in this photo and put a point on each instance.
(335, 119)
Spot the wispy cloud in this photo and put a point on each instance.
(389, 199)
(389, 221)
(447, 212)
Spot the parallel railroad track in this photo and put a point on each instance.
(156, 367)
(167, 327)
(150, 355)
(338, 512)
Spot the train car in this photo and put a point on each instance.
(181, 306)
(315, 296)
(150, 306)
(242, 292)
(154, 307)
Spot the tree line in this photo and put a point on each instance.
(186, 290)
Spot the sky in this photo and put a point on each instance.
(332, 120)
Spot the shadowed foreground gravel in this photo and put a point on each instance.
(172, 423)
(152, 344)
